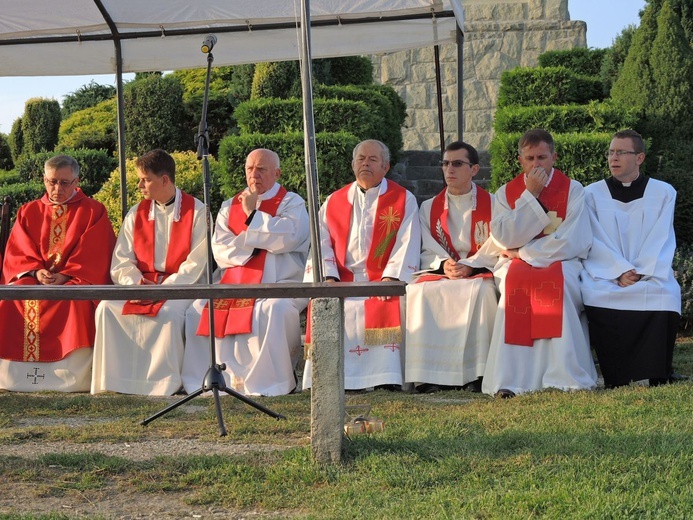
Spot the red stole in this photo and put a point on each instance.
(383, 324)
(235, 315)
(534, 296)
(481, 222)
(144, 242)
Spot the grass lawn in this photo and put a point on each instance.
(625, 453)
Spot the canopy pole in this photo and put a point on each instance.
(439, 98)
(312, 187)
(120, 104)
(460, 84)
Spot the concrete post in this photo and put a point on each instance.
(327, 394)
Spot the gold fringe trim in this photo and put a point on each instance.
(307, 351)
(383, 336)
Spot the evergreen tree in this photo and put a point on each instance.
(670, 112)
(6, 162)
(40, 125)
(87, 96)
(16, 139)
(154, 115)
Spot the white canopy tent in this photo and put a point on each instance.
(74, 37)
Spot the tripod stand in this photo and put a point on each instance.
(214, 378)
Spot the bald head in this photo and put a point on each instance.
(262, 170)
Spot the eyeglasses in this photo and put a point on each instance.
(56, 182)
(455, 164)
(618, 153)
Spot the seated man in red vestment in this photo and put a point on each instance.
(542, 228)
(64, 238)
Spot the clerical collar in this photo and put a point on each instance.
(364, 190)
(629, 191)
(171, 200)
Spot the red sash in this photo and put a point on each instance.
(235, 315)
(144, 243)
(481, 222)
(383, 324)
(534, 296)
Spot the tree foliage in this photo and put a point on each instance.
(40, 125)
(93, 127)
(154, 117)
(86, 96)
(16, 139)
(6, 162)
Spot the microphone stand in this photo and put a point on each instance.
(214, 378)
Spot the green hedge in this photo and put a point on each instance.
(188, 179)
(547, 86)
(94, 127)
(580, 156)
(272, 115)
(21, 193)
(334, 152)
(683, 271)
(95, 167)
(388, 111)
(561, 119)
(587, 62)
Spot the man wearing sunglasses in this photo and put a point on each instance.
(632, 299)
(451, 308)
(64, 238)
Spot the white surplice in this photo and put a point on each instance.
(565, 362)
(635, 235)
(368, 365)
(449, 322)
(140, 354)
(261, 362)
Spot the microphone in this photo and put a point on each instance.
(209, 43)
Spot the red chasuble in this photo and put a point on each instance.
(534, 296)
(178, 250)
(383, 324)
(75, 239)
(235, 315)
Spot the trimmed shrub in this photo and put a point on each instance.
(9, 177)
(21, 193)
(276, 80)
(580, 156)
(388, 111)
(269, 116)
(95, 127)
(683, 271)
(351, 70)
(188, 178)
(6, 162)
(593, 117)
(16, 139)
(94, 165)
(674, 167)
(40, 125)
(87, 96)
(334, 152)
(153, 115)
(547, 86)
(587, 62)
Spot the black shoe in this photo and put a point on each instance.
(474, 386)
(428, 388)
(675, 378)
(504, 393)
(659, 381)
(389, 388)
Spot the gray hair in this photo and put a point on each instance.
(384, 150)
(62, 161)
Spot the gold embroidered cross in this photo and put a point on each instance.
(555, 222)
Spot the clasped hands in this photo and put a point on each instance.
(45, 277)
(456, 271)
(628, 278)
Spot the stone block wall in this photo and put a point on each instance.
(499, 35)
